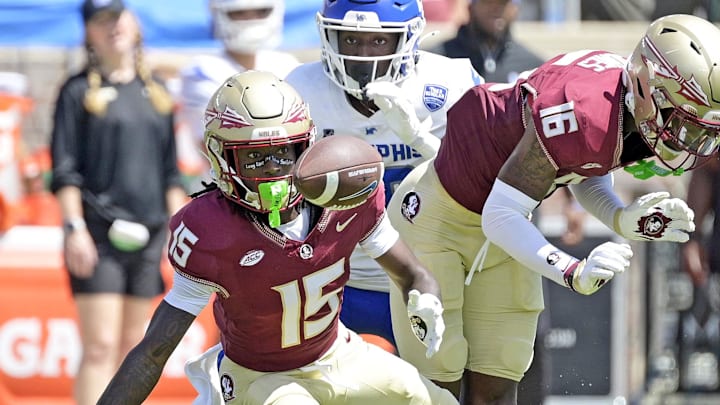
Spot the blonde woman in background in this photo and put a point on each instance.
(116, 178)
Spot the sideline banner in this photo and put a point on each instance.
(39, 343)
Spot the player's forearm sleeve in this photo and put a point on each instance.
(597, 196)
(505, 221)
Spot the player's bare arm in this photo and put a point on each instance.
(528, 169)
(140, 371)
(406, 271)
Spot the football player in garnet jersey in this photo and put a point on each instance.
(373, 83)
(570, 122)
(277, 266)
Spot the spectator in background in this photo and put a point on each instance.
(646, 10)
(486, 39)
(709, 9)
(619, 10)
(249, 31)
(116, 180)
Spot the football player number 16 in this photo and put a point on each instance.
(559, 119)
(294, 326)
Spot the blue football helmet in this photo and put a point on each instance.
(403, 17)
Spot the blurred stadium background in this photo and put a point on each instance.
(625, 354)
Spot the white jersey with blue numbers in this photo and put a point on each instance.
(437, 83)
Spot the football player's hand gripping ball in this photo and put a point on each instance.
(401, 118)
(656, 217)
(590, 274)
(425, 313)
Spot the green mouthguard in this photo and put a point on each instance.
(645, 169)
(273, 196)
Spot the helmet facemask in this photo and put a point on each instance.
(263, 194)
(352, 73)
(678, 136)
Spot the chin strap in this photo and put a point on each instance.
(645, 169)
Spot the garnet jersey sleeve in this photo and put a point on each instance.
(576, 101)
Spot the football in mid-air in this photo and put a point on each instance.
(338, 172)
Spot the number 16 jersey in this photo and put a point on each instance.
(576, 103)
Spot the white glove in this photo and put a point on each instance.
(601, 265)
(401, 118)
(655, 216)
(425, 313)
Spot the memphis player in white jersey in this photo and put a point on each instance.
(250, 30)
(374, 83)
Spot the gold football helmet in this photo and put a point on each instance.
(251, 110)
(673, 89)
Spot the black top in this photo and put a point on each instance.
(508, 58)
(123, 161)
(714, 238)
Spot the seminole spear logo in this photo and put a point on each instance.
(689, 88)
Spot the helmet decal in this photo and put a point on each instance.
(228, 118)
(297, 113)
(689, 88)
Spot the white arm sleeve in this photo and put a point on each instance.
(597, 196)
(381, 239)
(188, 295)
(505, 221)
